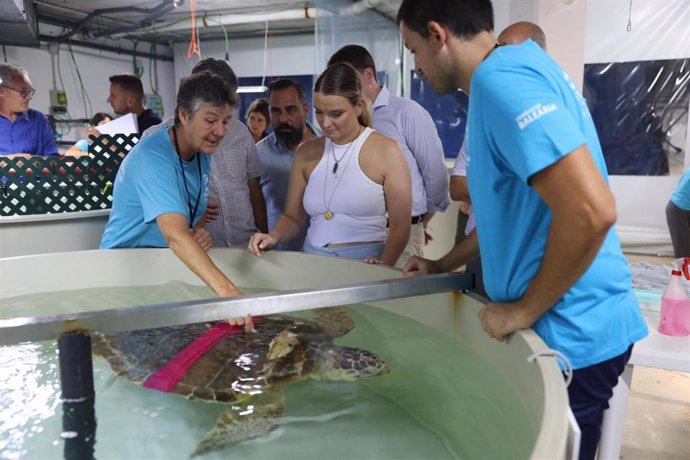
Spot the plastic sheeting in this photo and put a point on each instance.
(637, 74)
(637, 108)
(636, 82)
(344, 22)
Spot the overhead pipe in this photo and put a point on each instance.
(152, 13)
(114, 49)
(159, 11)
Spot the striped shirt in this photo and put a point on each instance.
(235, 162)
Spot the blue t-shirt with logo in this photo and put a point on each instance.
(151, 182)
(525, 115)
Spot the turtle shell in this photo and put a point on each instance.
(234, 369)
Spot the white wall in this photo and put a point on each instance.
(95, 68)
(660, 30)
(565, 36)
(291, 55)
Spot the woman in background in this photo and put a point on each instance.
(258, 119)
(81, 148)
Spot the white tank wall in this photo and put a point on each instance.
(540, 383)
(42, 234)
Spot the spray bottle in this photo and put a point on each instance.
(675, 308)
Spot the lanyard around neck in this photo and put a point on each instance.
(192, 211)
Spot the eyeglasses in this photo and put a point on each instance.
(23, 92)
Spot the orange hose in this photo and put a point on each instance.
(194, 42)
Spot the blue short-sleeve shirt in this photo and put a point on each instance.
(526, 114)
(149, 183)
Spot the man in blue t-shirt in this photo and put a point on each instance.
(161, 189)
(543, 208)
(24, 132)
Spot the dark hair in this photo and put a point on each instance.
(355, 55)
(223, 70)
(203, 88)
(259, 105)
(285, 83)
(465, 18)
(99, 117)
(130, 83)
(341, 79)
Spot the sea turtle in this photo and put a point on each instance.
(246, 370)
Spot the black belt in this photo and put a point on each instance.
(414, 221)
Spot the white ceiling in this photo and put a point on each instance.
(169, 20)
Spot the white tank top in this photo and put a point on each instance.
(355, 203)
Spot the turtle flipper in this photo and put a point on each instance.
(246, 420)
(335, 321)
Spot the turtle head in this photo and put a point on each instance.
(343, 363)
(282, 345)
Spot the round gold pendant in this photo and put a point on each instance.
(328, 215)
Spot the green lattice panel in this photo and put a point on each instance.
(49, 185)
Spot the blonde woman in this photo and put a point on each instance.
(352, 183)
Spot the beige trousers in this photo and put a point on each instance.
(415, 246)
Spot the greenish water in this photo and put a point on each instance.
(440, 400)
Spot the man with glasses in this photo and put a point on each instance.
(24, 132)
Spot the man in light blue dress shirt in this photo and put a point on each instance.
(408, 123)
(289, 111)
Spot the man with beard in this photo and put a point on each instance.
(289, 109)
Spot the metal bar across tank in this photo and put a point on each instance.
(16, 330)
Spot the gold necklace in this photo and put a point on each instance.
(328, 215)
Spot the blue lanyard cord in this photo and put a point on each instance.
(192, 211)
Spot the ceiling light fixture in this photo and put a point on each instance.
(234, 19)
(261, 88)
(252, 89)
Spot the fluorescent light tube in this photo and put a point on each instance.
(252, 89)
